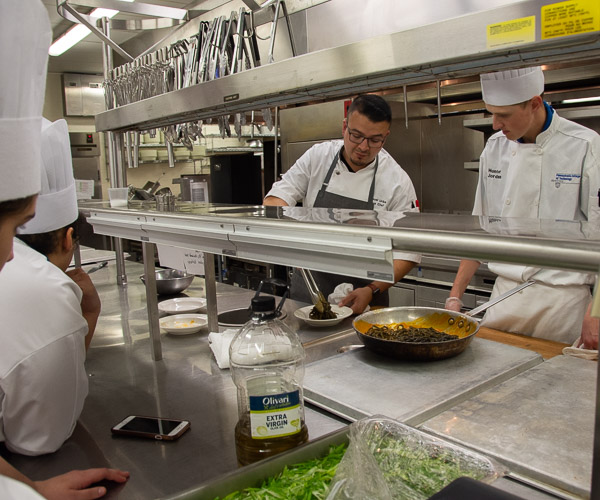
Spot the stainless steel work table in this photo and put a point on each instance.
(186, 383)
(540, 423)
(408, 391)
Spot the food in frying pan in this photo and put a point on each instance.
(326, 313)
(399, 332)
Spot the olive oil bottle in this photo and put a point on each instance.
(267, 366)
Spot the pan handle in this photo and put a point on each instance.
(500, 298)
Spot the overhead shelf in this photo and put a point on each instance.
(433, 52)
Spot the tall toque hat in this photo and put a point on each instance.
(57, 203)
(514, 86)
(25, 36)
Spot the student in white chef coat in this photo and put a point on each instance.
(353, 173)
(538, 165)
(25, 36)
(43, 382)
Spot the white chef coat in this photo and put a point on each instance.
(11, 489)
(558, 177)
(394, 190)
(43, 383)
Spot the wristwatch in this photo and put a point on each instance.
(374, 288)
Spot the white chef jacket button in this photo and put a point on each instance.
(507, 201)
(514, 153)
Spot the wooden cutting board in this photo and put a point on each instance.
(546, 348)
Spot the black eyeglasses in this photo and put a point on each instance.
(356, 138)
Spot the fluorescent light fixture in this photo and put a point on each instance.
(78, 32)
(581, 99)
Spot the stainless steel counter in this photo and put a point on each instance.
(410, 392)
(186, 383)
(540, 423)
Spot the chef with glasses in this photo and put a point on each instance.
(352, 173)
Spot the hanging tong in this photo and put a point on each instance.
(316, 295)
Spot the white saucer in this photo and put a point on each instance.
(304, 314)
(182, 305)
(183, 324)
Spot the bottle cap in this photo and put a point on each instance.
(263, 303)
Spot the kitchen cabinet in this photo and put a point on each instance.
(406, 293)
(402, 295)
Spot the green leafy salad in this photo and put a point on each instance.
(304, 481)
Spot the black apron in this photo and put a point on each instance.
(327, 281)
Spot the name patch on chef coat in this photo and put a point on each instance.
(494, 173)
(560, 179)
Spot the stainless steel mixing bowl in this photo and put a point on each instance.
(171, 281)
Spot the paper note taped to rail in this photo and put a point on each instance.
(182, 259)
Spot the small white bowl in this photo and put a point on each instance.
(304, 314)
(183, 324)
(182, 305)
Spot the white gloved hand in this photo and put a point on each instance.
(453, 304)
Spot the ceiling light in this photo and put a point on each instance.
(78, 32)
(581, 99)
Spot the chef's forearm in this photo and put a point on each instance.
(9, 471)
(466, 270)
(273, 201)
(401, 268)
(92, 320)
(590, 329)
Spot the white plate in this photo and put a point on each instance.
(182, 305)
(183, 324)
(304, 314)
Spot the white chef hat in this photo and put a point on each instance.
(57, 203)
(25, 36)
(513, 86)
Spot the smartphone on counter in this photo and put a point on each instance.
(151, 427)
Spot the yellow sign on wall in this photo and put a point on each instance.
(513, 32)
(570, 18)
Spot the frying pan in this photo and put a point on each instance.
(454, 323)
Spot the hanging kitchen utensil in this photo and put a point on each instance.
(136, 149)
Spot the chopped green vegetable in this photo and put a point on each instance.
(414, 472)
(304, 481)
